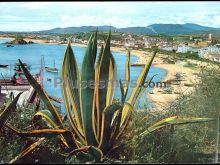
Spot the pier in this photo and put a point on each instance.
(137, 64)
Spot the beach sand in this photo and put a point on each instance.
(162, 100)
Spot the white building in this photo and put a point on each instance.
(210, 50)
(183, 49)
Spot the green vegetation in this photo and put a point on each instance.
(19, 37)
(183, 144)
(100, 36)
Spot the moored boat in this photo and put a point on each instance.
(9, 46)
(3, 66)
(50, 69)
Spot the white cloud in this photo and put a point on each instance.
(118, 14)
(35, 5)
(85, 20)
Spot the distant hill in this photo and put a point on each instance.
(188, 28)
(76, 29)
(168, 29)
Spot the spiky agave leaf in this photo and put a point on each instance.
(134, 94)
(8, 110)
(111, 81)
(142, 90)
(174, 120)
(96, 113)
(106, 129)
(106, 76)
(123, 95)
(49, 118)
(127, 72)
(51, 133)
(27, 151)
(90, 154)
(42, 94)
(70, 90)
(124, 89)
(87, 92)
(102, 73)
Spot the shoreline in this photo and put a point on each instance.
(162, 100)
(155, 96)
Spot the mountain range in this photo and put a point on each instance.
(167, 29)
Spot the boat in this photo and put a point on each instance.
(9, 46)
(3, 66)
(48, 79)
(137, 64)
(51, 69)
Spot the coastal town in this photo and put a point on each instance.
(205, 46)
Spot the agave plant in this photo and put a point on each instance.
(96, 121)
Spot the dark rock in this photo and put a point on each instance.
(30, 42)
(19, 42)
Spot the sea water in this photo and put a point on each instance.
(53, 56)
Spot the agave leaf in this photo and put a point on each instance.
(89, 154)
(174, 120)
(42, 94)
(103, 75)
(27, 151)
(49, 133)
(99, 57)
(96, 113)
(103, 37)
(50, 119)
(141, 79)
(127, 72)
(112, 81)
(105, 71)
(106, 129)
(96, 153)
(87, 93)
(131, 110)
(142, 90)
(71, 77)
(94, 46)
(139, 83)
(8, 110)
(123, 97)
(115, 127)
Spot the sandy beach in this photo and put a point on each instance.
(162, 100)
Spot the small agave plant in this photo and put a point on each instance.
(95, 120)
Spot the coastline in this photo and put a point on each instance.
(156, 97)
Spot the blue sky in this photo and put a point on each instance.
(30, 16)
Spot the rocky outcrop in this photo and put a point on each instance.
(19, 42)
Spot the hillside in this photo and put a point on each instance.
(168, 29)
